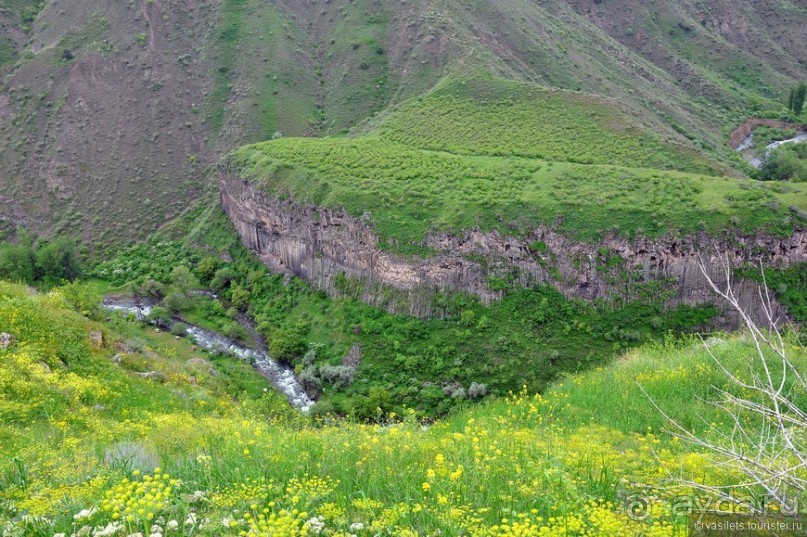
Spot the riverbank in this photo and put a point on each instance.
(279, 375)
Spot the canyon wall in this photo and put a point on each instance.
(335, 252)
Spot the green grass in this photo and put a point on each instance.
(78, 433)
(412, 192)
(485, 116)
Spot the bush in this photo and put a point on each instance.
(477, 390)
(286, 345)
(337, 375)
(239, 297)
(207, 267)
(322, 409)
(177, 302)
(160, 317)
(179, 329)
(221, 280)
(17, 263)
(58, 261)
(787, 162)
(183, 279)
(150, 288)
(234, 330)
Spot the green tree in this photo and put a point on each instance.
(207, 267)
(798, 93)
(16, 263)
(183, 279)
(58, 261)
(176, 302)
(787, 162)
(287, 344)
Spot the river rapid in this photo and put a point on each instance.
(279, 375)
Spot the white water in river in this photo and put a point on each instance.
(281, 376)
(756, 162)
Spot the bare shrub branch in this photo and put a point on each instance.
(767, 443)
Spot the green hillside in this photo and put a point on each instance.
(413, 192)
(486, 116)
(108, 100)
(88, 443)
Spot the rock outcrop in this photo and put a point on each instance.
(339, 253)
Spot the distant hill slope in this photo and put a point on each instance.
(113, 110)
(481, 115)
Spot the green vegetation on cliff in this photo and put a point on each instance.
(412, 192)
(529, 338)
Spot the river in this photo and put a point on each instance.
(279, 375)
(756, 161)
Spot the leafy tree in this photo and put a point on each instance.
(58, 261)
(176, 302)
(287, 344)
(16, 263)
(207, 267)
(149, 288)
(239, 297)
(798, 93)
(787, 162)
(183, 279)
(222, 279)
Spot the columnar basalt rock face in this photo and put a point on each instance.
(323, 245)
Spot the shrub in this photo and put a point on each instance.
(150, 288)
(160, 317)
(239, 297)
(477, 390)
(337, 375)
(233, 330)
(221, 280)
(179, 329)
(321, 409)
(177, 302)
(183, 279)
(58, 261)
(287, 344)
(207, 267)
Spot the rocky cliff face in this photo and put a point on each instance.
(334, 251)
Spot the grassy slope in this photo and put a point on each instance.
(78, 429)
(486, 116)
(412, 192)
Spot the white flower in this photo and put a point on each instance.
(190, 520)
(356, 526)
(226, 521)
(197, 495)
(86, 513)
(156, 529)
(59, 535)
(316, 524)
(138, 534)
(113, 528)
(173, 525)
